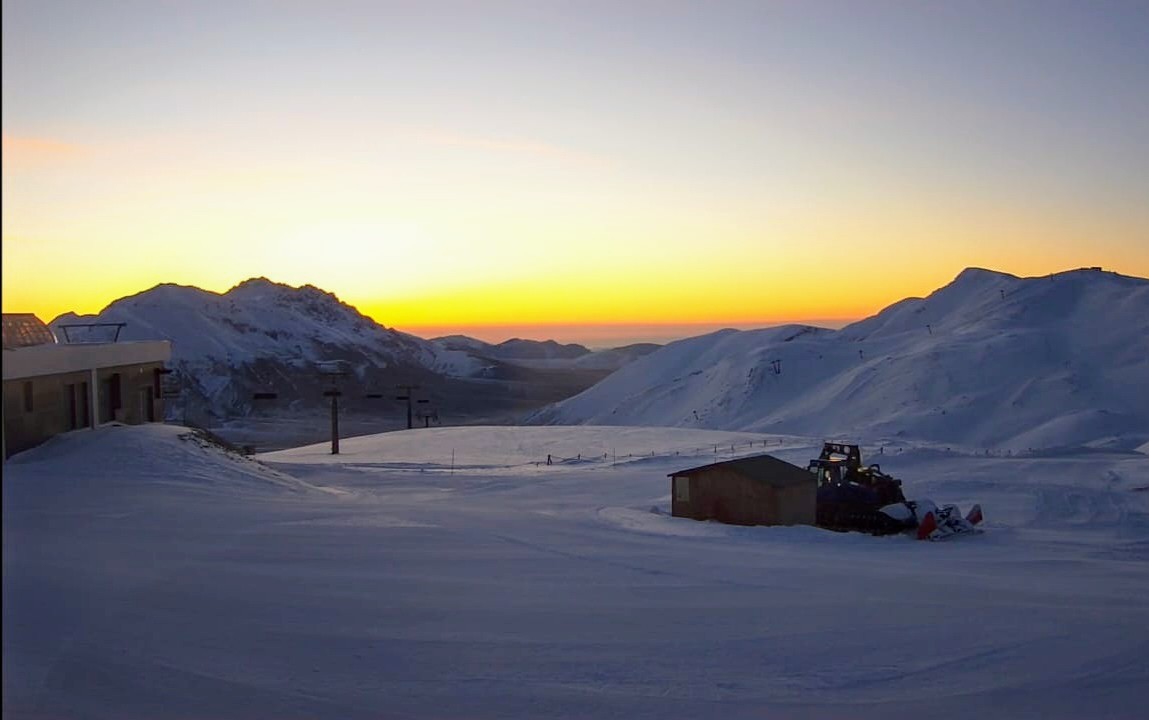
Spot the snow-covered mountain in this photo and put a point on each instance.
(989, 361)
(262, 335)
(614, 358)
(514, 349)
(546, 353)
(260, 318)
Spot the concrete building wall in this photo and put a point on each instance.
(38, 407)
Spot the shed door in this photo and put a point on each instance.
(682, 489)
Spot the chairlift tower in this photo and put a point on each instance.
(408, 395)
(427, 415)
(333, 371)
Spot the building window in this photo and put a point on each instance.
(70, 395)
(682, 489)
(28, 397)
(116, 393)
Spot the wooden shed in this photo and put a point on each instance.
(756, 490)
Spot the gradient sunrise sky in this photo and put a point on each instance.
(455, 166)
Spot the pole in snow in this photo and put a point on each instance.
(333, 369)
(334, 395)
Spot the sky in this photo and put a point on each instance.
(579, 168)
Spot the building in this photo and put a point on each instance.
(756, 490)
(52, 387)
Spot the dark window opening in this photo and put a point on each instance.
(70, 391)
(83, 418)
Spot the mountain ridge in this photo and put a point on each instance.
(262, 336)
(989, 360)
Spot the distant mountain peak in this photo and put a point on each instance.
(163, 293)
(980, 273)
(260, 282)
(261, 286)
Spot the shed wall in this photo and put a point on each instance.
(722, 495)
(729, 497)
(798, 504)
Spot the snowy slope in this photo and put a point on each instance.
(153, 458)
(147, 576)
(989, 361)
(614, 358)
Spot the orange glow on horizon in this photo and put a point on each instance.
(597, 308)
(486, 182)
(567, 307)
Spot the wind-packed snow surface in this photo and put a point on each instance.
(452, 573)
(990, 361)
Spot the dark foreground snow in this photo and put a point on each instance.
(147, 576)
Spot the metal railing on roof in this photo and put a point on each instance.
(68, 339)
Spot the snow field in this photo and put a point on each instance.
(147, 575)
(511, 448)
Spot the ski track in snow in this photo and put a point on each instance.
(148, 574)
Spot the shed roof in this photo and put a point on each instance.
(766, 468)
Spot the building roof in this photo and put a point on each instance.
(25, 330)
(766, 468)
(54, 359)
